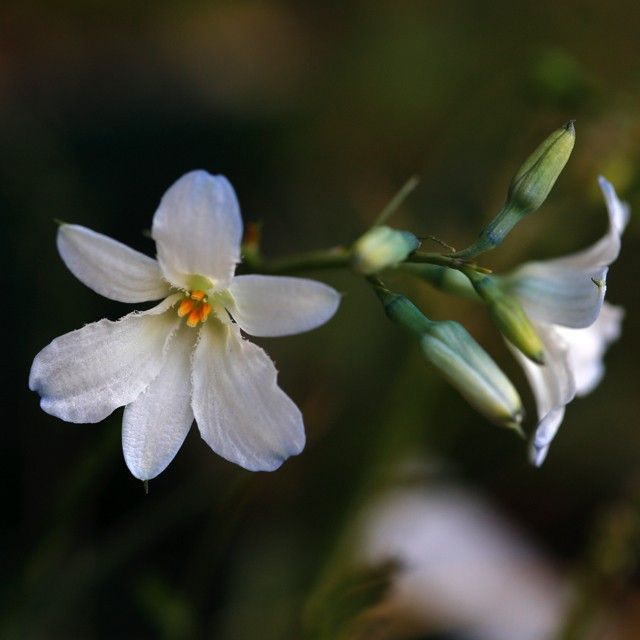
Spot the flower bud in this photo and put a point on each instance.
(460, 359)
(509, 316)
(528, 189)
(382, 247)
(469, 368)
(535, 178)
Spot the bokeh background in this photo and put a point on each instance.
(317, 113)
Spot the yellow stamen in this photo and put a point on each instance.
(205, 310)
(195, 307)
(198, 295)
(194, 318)
(186, 306)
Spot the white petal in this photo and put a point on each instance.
(197, 229)
(552, 384)
(553, 387)
(156, 423)
(559, 293)
(241, 412)
(459, 567)
(544, 434)
(618, 211)
(605, 250)
(586, 347)
(270, 306)
(84, 375)
(109, 267)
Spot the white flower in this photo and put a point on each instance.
(185, 358)
(461, 567)
(564, 298)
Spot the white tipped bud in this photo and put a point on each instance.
(380, 248)
(460, 359)
(469, 368)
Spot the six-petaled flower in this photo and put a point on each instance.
(185, 358)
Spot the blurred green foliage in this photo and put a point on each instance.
(317, 112)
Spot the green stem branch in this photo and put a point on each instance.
(335, 258)
(340, 258)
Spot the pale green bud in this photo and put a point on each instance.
(528, 189)
(469, 368)
(535, 178)
(443, 278)
(460, 359)
(509, 316)
(380, 248)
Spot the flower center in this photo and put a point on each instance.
(195, 307)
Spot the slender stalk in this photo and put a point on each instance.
(335, 258)
(393, 204)
(443, 260)
(340, 257)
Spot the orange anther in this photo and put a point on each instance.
(205, 310)
(186, 306)
(198, 295)
(195, 307)
(194, 318)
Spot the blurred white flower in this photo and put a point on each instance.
(461, 567)
(564, 298)
(185, 358)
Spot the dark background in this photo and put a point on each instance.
(317, 113)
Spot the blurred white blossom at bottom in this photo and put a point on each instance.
(460, 567)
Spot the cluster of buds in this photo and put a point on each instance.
(543, 310)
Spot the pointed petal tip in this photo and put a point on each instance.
(537, 455)
(143, 475)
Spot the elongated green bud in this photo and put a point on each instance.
(380, 248)
(535, 178)
(528, 189)
(469, 368)
(460, 359)
(509, 316)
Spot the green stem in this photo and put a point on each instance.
(339, 258)
(335, 258)
(397, 200)
(421, 257)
